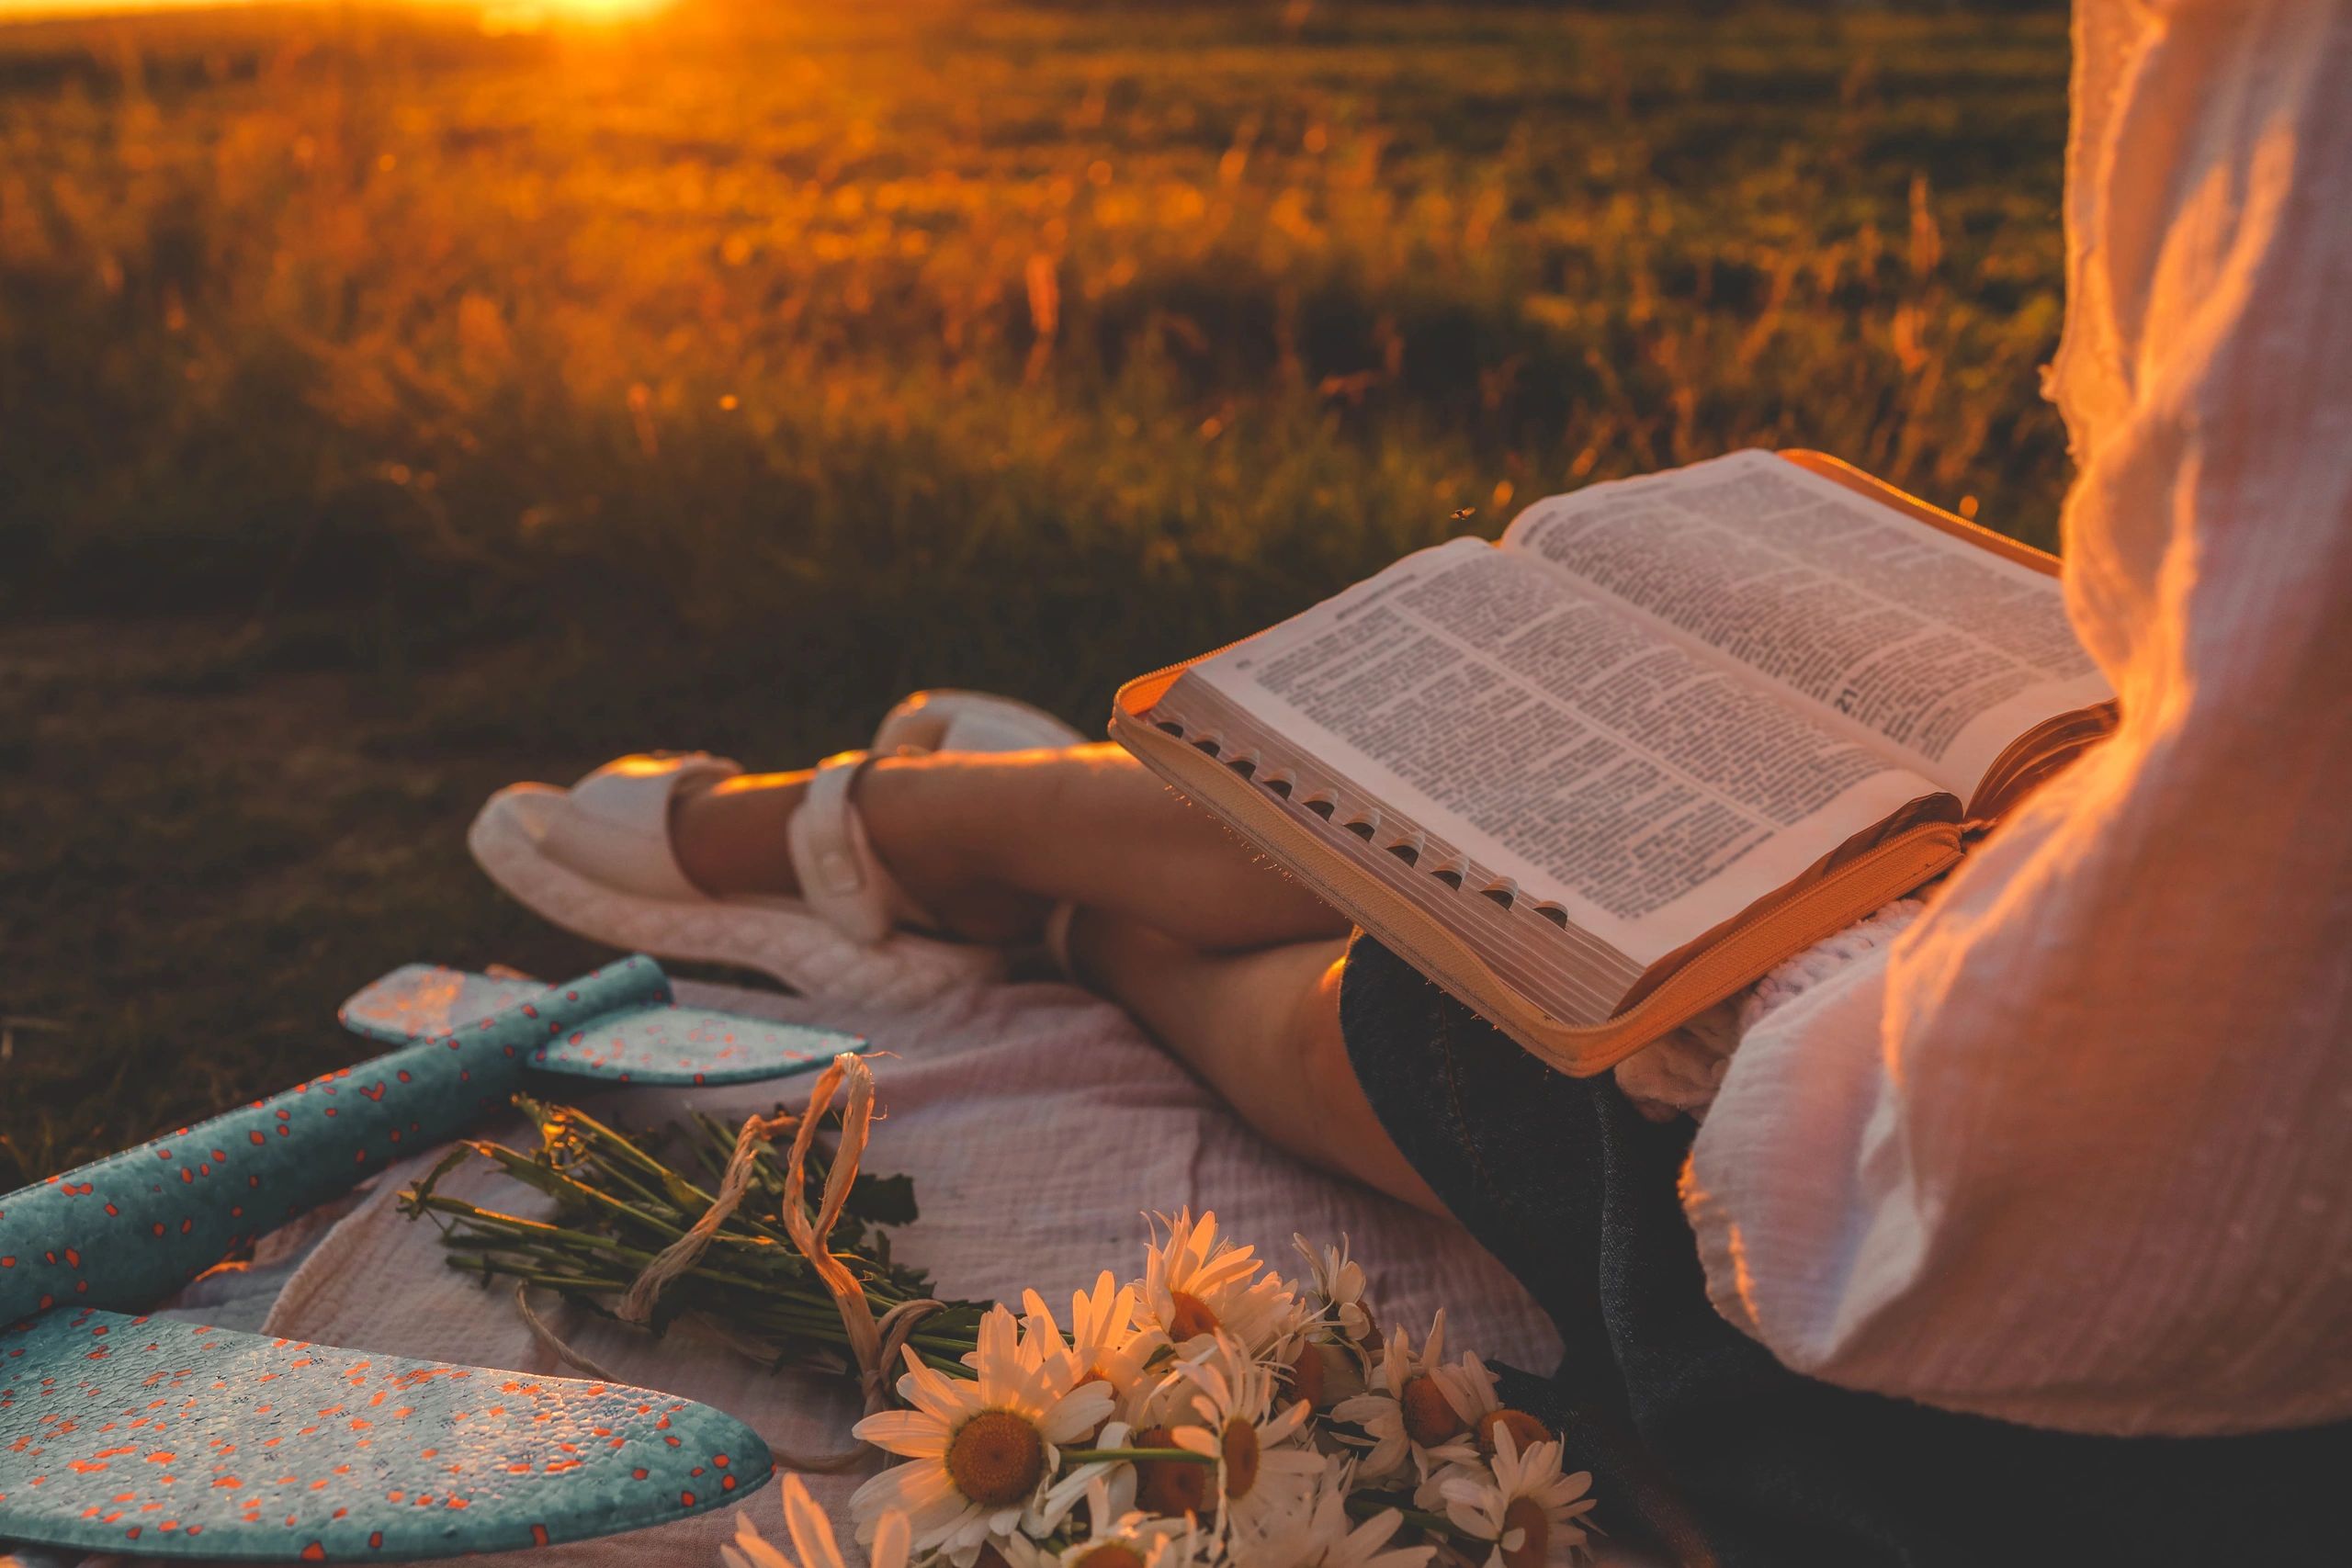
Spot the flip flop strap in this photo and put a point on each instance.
(841, 876)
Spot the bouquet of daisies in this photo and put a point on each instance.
(1209, 1414)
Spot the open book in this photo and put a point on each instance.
(1667, 733)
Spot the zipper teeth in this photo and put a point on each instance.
(1880, 873)
(1180, 664)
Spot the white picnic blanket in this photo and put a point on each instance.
(1040, 1127)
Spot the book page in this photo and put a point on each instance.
(1561, 742)
(1886, 629)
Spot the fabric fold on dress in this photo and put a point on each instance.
(2076, 1150)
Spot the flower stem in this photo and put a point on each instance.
(617, 1201)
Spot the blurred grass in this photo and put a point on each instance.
(388, 410)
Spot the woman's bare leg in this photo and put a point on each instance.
(1232, 966)
(1263, 1030)
(989, 841)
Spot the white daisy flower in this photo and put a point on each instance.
(1155, 1407)
(1196, 1287)
(1323, 1371)
(1266, 1479)
(1528, 1510)
(1104, 1343)
(978, 1449)
(1329, 1357)
(813, 1545)
(1015, 1552)
(1469, 1390)
(1107, 1486)
(1429, 1493)
(1118, 1536)
(1403, 1414)
(1340, 1284)
(1173, 1488)
(1324, 1536)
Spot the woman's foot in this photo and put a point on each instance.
(728, 834)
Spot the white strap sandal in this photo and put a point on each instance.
(950, 720)
(841, 876)
(596, 859)
(614, 825)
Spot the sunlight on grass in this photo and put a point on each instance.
(751, 299)
(754, 310)
(390, 410)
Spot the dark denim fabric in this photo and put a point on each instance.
(1706, 1450)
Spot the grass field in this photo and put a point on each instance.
(391, 408)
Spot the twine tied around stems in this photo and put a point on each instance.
(682, 1255)
(876, 1345)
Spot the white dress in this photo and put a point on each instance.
(2074, 1150)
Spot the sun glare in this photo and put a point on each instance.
(497, 16)
(530, 16)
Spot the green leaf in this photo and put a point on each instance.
(882, 1199)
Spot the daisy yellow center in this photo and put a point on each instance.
(1430, 1417)
(1306, 1376)
(1240, 1446)
(997, 1458)
(1189, 1315)
(1523, 1430)
(1525, 1515)
(1168, 1486)
(1111, 1555)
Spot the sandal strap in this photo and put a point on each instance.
(614, 825)
(841, 876)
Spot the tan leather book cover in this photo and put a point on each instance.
(1842, 887)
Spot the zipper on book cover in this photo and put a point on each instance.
(1186, 664)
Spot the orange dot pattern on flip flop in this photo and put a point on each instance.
(151, 1438)
(125, 1232)
(122, 1435)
